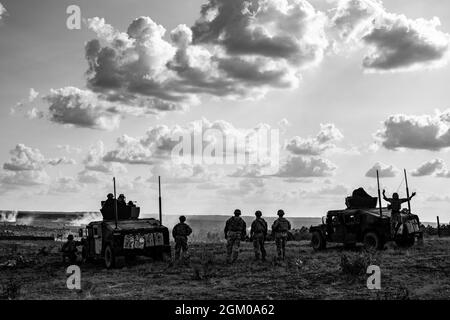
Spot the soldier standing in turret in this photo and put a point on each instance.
(280, 229)
(180, 233)
(235, 230)
(258, 233)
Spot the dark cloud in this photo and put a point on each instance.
(395, 42)
(428, 168)
(416, 132)
(81, 108)
(384, 171)
(243, 51)
(400, 43)
(291, 30)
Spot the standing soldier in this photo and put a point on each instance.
(180, 233)
(280, 229)
(235, 230)
(258, 233)
(69, 250)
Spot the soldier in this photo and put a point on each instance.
(69, 250)
(109, 203)
(280, 229)
(258, 233)
(180, 233)
(235, 230)
(396, 206)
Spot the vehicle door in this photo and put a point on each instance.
(338, 228)
(97, 230)
(351, 221)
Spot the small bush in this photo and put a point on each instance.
(356, 264)
(11, 290)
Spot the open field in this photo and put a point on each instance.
(422, 272)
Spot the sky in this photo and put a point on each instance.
(346, 87)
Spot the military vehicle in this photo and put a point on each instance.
(363, 223)
(121, 235)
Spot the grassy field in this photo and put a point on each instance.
(421, 272)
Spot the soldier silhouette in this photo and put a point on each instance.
(180, 233)
(258, 233)
(235, 230)
(280, 229)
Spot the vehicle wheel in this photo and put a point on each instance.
(110, 259)
(317, 241)
(372, 241)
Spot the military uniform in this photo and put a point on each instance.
(396, 206)
(235, 230)
(258, 232)
(180, 233)
(69, 250)
(280, 229)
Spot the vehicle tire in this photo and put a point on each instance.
(372, 241)
(109, 257)
(318, 242)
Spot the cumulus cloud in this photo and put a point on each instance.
(207, 140)
(24, 178)
(89, 177)
(385, 171)
(395, 42)
(81, 108)
(315, 145)
(183, 173)
(25, 168)
(428, 168)
(443, 174)
(25, 158)
(291, 30)
(235, 49)
(426, 132)
(68, 148)
(94, 161)
(301, 167)
(243, 188)
(65, 185)
(3, 11)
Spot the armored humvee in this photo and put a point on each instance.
(131, 238)
(363, 223)
(123, 235)
(367, 226)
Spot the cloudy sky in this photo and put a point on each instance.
(349, 86)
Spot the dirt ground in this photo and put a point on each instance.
(421, 272)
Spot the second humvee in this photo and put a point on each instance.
(368, 226)
(102, 240)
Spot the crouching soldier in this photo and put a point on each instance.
(180, 233)
(69, 250)
(280, 229)
(258, 233)
(235, 230)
